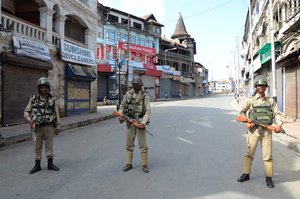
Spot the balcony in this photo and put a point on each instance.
(22, 27)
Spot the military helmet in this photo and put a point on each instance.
(260, 81)
(43, 81)
(137, 80)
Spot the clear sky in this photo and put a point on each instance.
(216, 25)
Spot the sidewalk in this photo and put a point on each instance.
(19, 133)
(291, 127)
(22, 132)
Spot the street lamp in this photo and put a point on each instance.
(118, 64)
(165, 61)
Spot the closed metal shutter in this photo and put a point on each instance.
(18, 83)
(175, 87)
(291, 92)
(149, 85)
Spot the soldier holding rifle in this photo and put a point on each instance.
(264, 110)
(136, 104)
(43, 117)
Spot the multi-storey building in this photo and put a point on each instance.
(178, 53)
(201, 79)
(47, 38)
(126, 45)
(278, 21)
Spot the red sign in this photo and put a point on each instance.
(108, 49)
(137, 48)
(149, 66)
(102, 52)
(98, 53)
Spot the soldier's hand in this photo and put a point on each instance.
(32, 125)
(56, 131)
(277, 128)
(142, 126)
(121, 119)
(249, 125)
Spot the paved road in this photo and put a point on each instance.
(196, 152)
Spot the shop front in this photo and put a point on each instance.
(290, 64)
(150, 80)
(21, 70)
(79, 75)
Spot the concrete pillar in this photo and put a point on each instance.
(60, 26)
(46, 15)
(89, 39)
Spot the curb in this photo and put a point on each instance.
(27, 136)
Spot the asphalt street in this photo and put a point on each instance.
(196, 152)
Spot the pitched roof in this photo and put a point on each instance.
(180, 30)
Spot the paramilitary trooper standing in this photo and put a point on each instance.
(265, 110)
(42, 115)
(136, 104)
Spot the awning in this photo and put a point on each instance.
(138, 69)
(25, 61)
(80, 72)
(104, 68)
(265, 51)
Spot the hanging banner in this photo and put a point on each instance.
(29, 48)
(137, 48)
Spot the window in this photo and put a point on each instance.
(137, 25)
(149, 43)
(133, 39)
(157, 30)
(122, 37)
(124, 21)
(142, 42)
(112, 18)
(100, 33)
(110, 35)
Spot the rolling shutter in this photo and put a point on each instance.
(18, 84)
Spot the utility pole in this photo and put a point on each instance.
(251, 48)
(128, 53)
(274, 91)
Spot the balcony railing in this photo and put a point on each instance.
(22, 27)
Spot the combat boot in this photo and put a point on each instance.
(144, 162)
(145, 169)
(51, 166)
(269, 182)
(129, 156)
(127, 167)
(243, 178)
(36, 168)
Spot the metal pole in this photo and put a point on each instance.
(119, 96)
(274, 91)
(251, 47)
(165, 77)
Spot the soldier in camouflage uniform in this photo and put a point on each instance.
(43, 117)
(264, 110)
(136, 104)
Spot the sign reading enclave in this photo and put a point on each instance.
(77, 54)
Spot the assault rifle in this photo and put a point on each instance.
(257, 123)
(132, 121)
